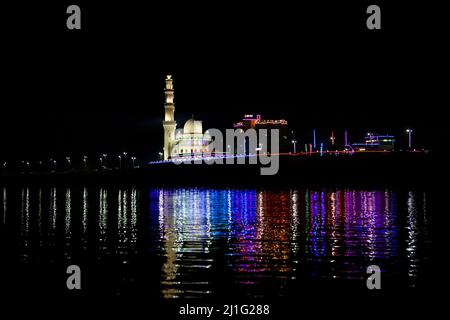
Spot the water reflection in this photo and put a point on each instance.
(127, 219)
(40, 218)
(68, 222)
(266, 236)
(192, 242)
(186, 234)
(4, 204)
(102, 220)
(84, 221)
(412, 240)
(25, 222)
(53, 208)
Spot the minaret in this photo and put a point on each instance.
(169, 123)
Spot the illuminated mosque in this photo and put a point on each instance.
(187, 141)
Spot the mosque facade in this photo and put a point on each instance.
(187, 141)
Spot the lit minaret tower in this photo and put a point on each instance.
(169, 123)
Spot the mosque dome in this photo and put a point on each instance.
(193, 127)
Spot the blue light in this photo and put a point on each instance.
(314, 138)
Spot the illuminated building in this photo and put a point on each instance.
(375, 142)
(251, 122)
(190, 139)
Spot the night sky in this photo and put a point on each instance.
(101, 89)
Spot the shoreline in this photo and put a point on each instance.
(385, 169)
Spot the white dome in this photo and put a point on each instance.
(193, 127)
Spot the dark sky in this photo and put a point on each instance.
(101, 89)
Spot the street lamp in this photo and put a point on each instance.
(125, 159)
(294, 142)
(133, 159)
(103, 159)
(120, 162)
(53, 163)
(409, 132)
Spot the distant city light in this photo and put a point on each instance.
(409, 132)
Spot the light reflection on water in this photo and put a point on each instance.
(190, 242)
(4, 205)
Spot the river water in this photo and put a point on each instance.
(206, 242)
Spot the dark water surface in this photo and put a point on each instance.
(196, 242)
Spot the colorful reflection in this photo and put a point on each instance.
(196, 242)
(267, 238)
